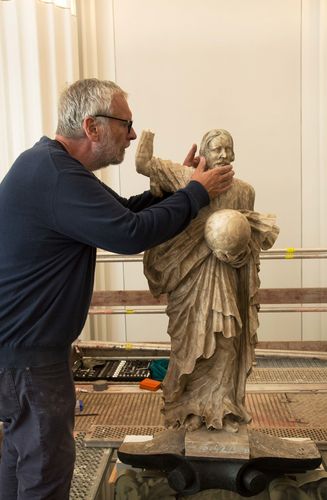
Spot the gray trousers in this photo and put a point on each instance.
(37, 407)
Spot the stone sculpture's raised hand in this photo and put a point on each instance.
(144, 153)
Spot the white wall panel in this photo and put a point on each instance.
(314, 154)
(191, 66)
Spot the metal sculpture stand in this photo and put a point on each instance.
(244, 462)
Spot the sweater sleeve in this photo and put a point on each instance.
(137, 202)
(87, 212)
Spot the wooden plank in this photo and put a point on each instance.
(266, 296)
(293, 295)
(126, 298)
(306, 346)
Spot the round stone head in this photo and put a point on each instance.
(217, 147)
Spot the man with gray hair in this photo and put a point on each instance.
(54, 213)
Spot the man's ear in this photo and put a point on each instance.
(91, 128)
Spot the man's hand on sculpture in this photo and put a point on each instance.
(215, 180)
(191, 160)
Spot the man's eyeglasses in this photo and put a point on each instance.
(128, 123)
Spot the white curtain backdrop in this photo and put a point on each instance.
(38, 57)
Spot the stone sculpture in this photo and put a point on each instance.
(210, 275)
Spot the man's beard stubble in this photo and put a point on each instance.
(106, 154)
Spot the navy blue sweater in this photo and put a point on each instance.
(53, 215)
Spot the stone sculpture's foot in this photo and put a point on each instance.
(193, 422)
(230, 424)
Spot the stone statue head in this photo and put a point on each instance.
(217, 147)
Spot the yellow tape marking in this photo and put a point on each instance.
(290, 253)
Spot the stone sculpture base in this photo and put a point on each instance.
(244, 462)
